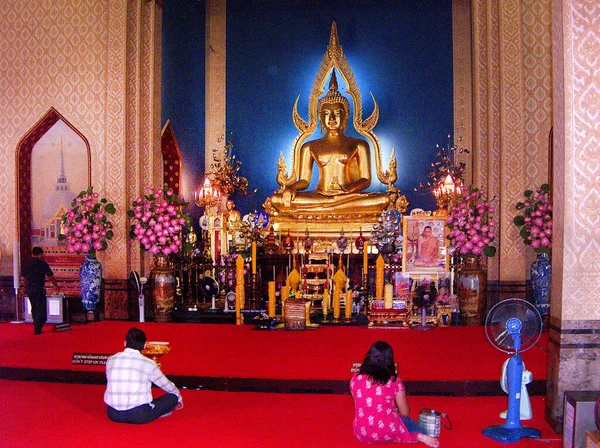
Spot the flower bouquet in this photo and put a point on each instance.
(86, 226)
(471, 224)
(159, 221)
(535, 219)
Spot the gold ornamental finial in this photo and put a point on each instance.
(334, 49)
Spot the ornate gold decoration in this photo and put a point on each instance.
(224, 171)
(156, 350)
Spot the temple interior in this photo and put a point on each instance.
(391, 165)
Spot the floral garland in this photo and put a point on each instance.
(86, 226)
(159, 221)
(535, 219)
(471, 225)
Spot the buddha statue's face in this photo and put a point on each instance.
(333, 116)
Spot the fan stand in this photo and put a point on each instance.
(423, 326)
(142, 305)
(512, 430)
(502, 315)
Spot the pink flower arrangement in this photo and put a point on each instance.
(535, 218)
(86, 226)
(472, 227)
(159, 221)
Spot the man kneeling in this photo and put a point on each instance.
(129, 376)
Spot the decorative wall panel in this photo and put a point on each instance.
(52, 54)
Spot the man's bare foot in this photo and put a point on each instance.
(428, 440)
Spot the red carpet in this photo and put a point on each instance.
(443, 354)
(73, 415)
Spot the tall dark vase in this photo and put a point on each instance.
(471, 284)
(541, 275)
(163, 291)
(90, 281)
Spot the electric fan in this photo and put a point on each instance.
(513, 326)
(139, 283)
(424, 297)
(525, 408)
(230, 302)
(209, 289)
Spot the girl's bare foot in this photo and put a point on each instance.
(428, 440)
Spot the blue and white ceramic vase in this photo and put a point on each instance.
(90, 281)
(541, 274)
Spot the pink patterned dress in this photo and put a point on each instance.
(376, 418)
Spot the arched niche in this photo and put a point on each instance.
(171, 158)
(25, 174)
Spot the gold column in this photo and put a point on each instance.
(216, 52)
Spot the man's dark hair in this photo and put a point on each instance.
(37, 251)
(135, 339)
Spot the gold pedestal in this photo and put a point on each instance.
(156, 350)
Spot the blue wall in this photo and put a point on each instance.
(401, 51)
(183, 85)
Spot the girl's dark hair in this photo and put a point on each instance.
(379, 363)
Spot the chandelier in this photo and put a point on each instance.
(207, 196)
(447, 191)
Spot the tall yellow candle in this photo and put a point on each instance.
(239, 279)
(337, 292)
(271, 299)
(366, 258)
(325, 302)
(285, 294)
(254, 257)
(238, 306)
(307, 313)
(389, 296)
(348, 309)
(379, 265)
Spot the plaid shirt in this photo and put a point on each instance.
(130, 375)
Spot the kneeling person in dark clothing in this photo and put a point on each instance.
(129, 376)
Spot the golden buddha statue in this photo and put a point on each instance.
(344, 165)
(343, 162)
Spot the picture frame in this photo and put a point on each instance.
(424, 244)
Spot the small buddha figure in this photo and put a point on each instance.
(344, 165)
(232, 215)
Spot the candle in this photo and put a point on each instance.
(379, 264)
(238, 306)
(271, 299)
(389, 296)
(285, 294)
(337, 292)
(366, 258)
(307, 314)
(325, 302)
(239, 279)
(16, 265)
(348, 310)
(452, 282)
(253, 257)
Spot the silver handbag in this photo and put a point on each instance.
(431, 421)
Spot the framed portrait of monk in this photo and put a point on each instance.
(424, 244)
